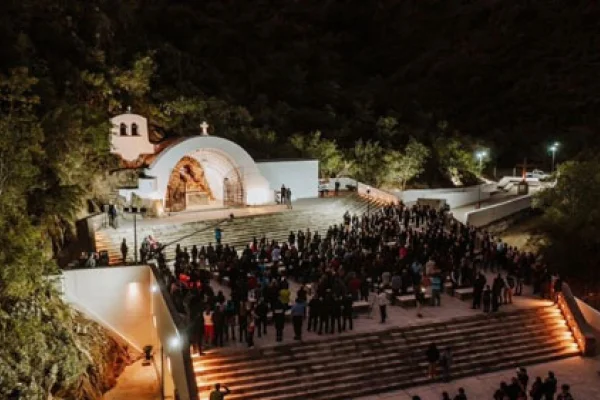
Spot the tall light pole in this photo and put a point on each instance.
(480, 155)
(135, 211)
(553, 150)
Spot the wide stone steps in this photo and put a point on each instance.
(355, 365)
(239, 232)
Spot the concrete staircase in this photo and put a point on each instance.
(321, 214)
(348, 367)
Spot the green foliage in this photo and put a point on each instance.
(571, 222)
(331, 160)
(404, 166)
(455, 156)
(367, 160)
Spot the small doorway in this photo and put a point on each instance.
(233, 190)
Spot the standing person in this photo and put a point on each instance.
(250, 334)
(336, 315)
(565, 393)
(382, 301)
(419, 298)
(314, 309)
(243, 321)
(219, 324)
(298, 313)
(509, 286)
(446, 363)
(124, 250)
(288, 198)
(112, 216)
(550, 386)
(326, 309)
(557, 288)
(194, 254)
(523, 378)
(230, 319)
(279, 319)
(433, 357)
(436, 290)
(487, 299)
(478, 288)
(445, 396)
(197, 324)
(217, 394)
(262, 309)
(282, 194)
(209, 328)
(337, 188)
(218, 235)
(347, 312)
(537, 389)
(396, 286)
(497, 287)
(461, 395)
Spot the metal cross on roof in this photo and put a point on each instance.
(204, 126)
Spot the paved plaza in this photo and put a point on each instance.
(137, 382)
(398, 316)
(579, 372)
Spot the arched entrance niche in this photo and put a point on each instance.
(230, 173)
(188, 186)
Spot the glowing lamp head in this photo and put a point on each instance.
(154, 288)
(175, 342)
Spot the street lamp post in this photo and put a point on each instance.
(134, 211)
(553, 150)
(480, 155)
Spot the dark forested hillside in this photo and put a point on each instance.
(386, 90)
(514, 75)
(517, 74)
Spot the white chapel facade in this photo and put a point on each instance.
(202, 171)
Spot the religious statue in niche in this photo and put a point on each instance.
(188, 186)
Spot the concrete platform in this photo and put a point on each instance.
(398, 316)
(580, 373)
(136, 382)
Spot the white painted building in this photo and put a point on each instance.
(129, 136)
(301, 176)
(228, 170)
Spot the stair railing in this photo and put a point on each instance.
(581, 330)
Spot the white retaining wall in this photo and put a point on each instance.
(592, 316)
(487, 215)
(127, 301)
(454, 197)
(119, 298)
(302, 177)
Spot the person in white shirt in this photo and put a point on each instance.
(276, 254)
(382, 301)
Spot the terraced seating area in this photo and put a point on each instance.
(347, 367)
(316, 214)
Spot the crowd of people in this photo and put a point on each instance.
(517, 389)
(405, 249)
(520, 388)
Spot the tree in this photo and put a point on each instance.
(570, 225)
(331, 160)
(368, 165)
(455, 155)
(20, 135)
(404, 166)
